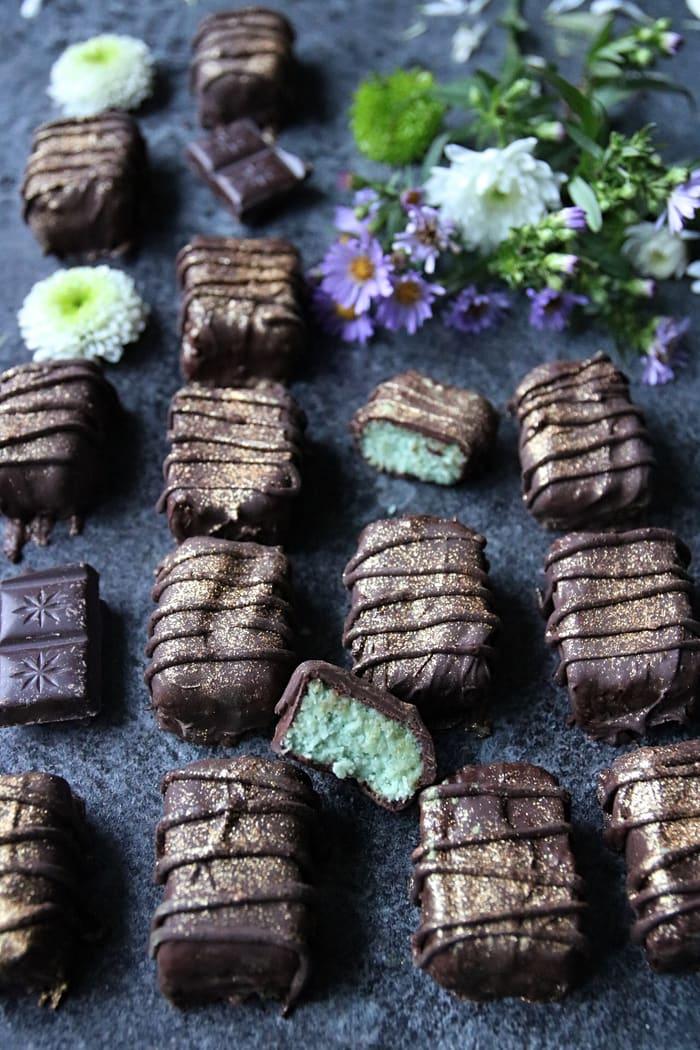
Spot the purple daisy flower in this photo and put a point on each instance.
(425, 236)
(664, 355)
(410, 304)
(551, 308)
(474, 311)
(355, 272)
(367, 199)
(573, 219)
(347, 221)
(412, 198)
(340, 321)
(684, 202)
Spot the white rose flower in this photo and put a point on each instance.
(653, 252)
(487, 194)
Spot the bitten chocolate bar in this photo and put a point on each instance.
(621, 619)
(220, 639)
(241, 317)
(416, 427)
(55, 419)
(42, 840)
(234, 855)
(421, 622)
(585, 453)
(233, 471)
(50, 646)
(84, 185)
(651, 800)
(243, 66)
(496, 881)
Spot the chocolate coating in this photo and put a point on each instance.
(243, 66)
(445, 413)
(585, 453)
(620, 616)
(421, 624)
(651, 800)
(219, 639)
(50, 646)
(55, 419)
(233, 853)
(496, 881)
(348, 684)
(41, 841)
(241, 317)
(233, 469)
(83, 185)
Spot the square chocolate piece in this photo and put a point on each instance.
(421, 623)
(55, 419)
(243, 66)
(234, 854)
(496, 881)
(620, 616)
(651, 800)
(84, 184)
(585, 453)
(220, 639)
(233, 471)
(248, 172)
(241, 317)
(50, 646)
(42, 838)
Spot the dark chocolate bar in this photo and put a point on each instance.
(331, 720)
(415, 427)
(585, 453)
(247, 171)
(421, 623)
(84, 184)
(42, 840)
(55, 419)
(241, 317)
(495, 877)
(651, 800)
(243, 66)
(233, 471)
(220, 639)
(50, 646)
(620, 616)
(234, 855)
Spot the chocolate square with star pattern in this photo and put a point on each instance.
(50, 640)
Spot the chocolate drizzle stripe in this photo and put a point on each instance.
(38, 915)
(550, 910)
(263, 655)
(283, 805)
(456, 789)
(57, 873)
(474, 650)
(286, 893)
(533, 496)
(542, 831)
(429, 623)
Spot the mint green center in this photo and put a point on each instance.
(398, 450)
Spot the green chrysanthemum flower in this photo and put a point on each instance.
(395, 118)
(105, 72)
(87, 311)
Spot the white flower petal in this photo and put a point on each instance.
(653, 252)
(694, 8)
(31, 8)
(104, 72)
(561, 7)
(467, 40)
(622, 7)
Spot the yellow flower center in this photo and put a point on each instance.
(345, 312)
(408, 293)
(362, 268)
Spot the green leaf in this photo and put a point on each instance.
(588, 112)
(434, 154)
(582, 195)
(631, 82)
(582, 139)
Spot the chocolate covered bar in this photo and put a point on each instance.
(42, 840)
(50, 646)
(243, 66)
(246, 170)
(333, 721)
(84, 184)
(651, 801)
(233, 471)
(495, 878)
(585, 453)
(55, 419)
(416, 427)
(220, 639)
(620, 617)
(421, 623)
(234, 856)
(241, 317)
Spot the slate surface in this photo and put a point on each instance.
(366, 992)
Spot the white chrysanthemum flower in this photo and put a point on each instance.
(87, 311)
(105, 72)
(487, 194)
(655, 251)
(694, 272)
(694, 7)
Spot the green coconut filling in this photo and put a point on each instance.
(355, 741)
(398, 450)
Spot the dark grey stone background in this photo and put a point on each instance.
(365, 992)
